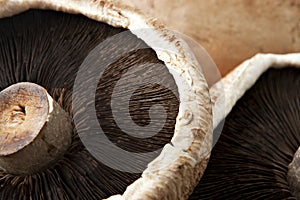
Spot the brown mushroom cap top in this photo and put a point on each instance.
(231, 31)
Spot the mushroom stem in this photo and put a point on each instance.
(34, 130)
(293, 176)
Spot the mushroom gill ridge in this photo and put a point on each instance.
(258, 142)
(47, 48)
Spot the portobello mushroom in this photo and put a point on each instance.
(82, 55)
(254, 157)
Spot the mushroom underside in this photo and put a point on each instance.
(258, 141)
(49, 48)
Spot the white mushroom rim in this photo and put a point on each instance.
(175, 172)
(233, 86)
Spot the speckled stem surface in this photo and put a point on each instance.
(293, 175)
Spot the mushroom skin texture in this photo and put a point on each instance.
(261, 131)
(231, 31)
(174, 173)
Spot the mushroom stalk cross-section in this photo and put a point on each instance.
(35, 130)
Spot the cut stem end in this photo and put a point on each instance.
(34, 130)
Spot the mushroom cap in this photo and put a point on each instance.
(257, 141)
(231, 31)
(175, 172)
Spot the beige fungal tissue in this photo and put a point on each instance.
(231, 31)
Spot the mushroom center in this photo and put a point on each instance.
(293, 176)
(14, 116)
